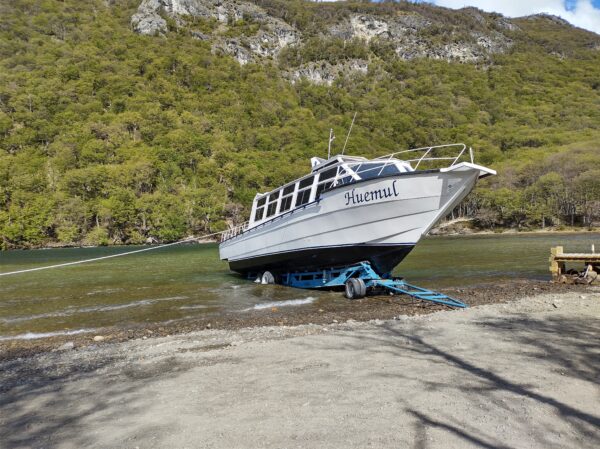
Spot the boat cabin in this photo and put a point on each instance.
(325, 174)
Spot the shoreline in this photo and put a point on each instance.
(466, 231)
(435, 232)
(363, 310)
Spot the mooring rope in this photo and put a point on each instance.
(95, 259)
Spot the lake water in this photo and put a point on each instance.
(187, 281)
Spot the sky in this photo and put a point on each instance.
(581, 13)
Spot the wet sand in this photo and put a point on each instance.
(514, 373)
(370, 308)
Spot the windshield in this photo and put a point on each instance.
(370, 170)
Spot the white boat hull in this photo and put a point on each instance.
(378, 220)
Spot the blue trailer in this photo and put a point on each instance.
(357, 281)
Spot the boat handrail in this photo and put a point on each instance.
(462, 148)
(236, 230)
(390, 159)
(271, 220)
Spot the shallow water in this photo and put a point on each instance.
(187, 281)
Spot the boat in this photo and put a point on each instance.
(351, 209)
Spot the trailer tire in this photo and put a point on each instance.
(267, 278)
(362, 288)
(349, 291)
(355, 288)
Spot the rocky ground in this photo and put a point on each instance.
(522, 373)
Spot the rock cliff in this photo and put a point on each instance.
(270, 37)
(249, 33)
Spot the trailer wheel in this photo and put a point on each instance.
(267, 278)
(349, 291)
(355, 288)
(363, 287)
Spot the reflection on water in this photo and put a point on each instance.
(186, 281)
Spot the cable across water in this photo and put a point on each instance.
(95, 259)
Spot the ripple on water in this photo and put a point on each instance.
(94, 309)
(127, 305)
(36, 335)
(104, 291)
(39, 316)
(193, 307)
(287, 303)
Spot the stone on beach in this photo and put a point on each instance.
(66, 347)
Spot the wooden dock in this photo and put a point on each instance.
(559, 259)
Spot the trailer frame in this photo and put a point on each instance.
(363, 275)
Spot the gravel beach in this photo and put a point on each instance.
(513, 374)
(322, 312)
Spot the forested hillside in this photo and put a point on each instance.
(109, 135)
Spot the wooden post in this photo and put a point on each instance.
(556, 268)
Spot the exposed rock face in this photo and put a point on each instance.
(325, 73)
(506, 25)
(272, 35)
(475, 50)
(411, 35)
(147, 20)
(405, 32)
(368, 27)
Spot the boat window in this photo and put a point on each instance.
(306, 182)
(304, 189)
(272, 207)
(326, 180)
(274, 196)
(371, 170)
(346, 175)
(258, 215)
(286, 199)
(286, 203)
(374, 170)
(345, 180)
(323, 186)
(328, 174)
(289, 189)
(303, 197)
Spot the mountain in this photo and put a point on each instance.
(123, 120)
(255, 31)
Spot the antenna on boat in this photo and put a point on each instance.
(349, 131)
(331, 139)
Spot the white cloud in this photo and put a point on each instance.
(583, 14)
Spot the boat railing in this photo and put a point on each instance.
(429, 154)
(234, 231)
